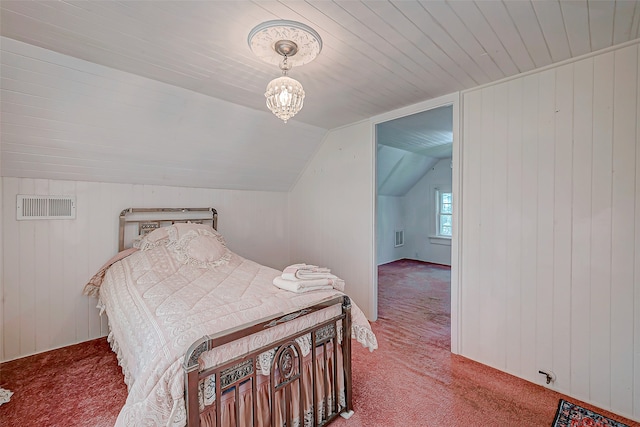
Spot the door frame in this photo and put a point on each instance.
(454, 100)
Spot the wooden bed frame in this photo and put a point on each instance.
(287, 373)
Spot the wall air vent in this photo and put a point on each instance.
(46, 207)
(399, 238)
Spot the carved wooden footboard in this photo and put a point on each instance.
(302, 390)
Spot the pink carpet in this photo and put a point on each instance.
(411, 380)
(414, 380)
(79, 385)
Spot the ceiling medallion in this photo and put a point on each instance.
(285, 43)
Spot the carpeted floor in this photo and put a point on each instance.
(80, 385)
(414, 380)
(411, 380)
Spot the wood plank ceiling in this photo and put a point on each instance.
(377, 55)
(77, 102)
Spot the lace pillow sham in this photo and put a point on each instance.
(158, 237)
(199, 247)
(194, 244)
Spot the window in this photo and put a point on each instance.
(444, 212)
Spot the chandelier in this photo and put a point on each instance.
(285, 43)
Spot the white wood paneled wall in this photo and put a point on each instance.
(331, 210)
(551, 228)
(47, 263)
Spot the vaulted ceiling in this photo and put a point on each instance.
(377, 56)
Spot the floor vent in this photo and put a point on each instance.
(46, 207)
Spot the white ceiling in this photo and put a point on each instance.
(77, 102)
(408, 147)
(377, 55)
(429, 133)
(397, 171)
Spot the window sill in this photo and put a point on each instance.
(440, 240)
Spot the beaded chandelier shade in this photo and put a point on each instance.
(285, 43)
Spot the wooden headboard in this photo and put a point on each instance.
(136, 222)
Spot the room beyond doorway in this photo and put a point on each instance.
(414, 187)
(415, 235)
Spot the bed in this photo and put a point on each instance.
(204, 338)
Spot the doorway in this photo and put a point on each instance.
(417, 188)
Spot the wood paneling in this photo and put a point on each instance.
(570, 228)
(498, 295)
(470, 236)
(332, 208)
(529, 250)
(581, 224)
(384, 54)
(513, 226)
(623, 200)
(11, 272)
(600, 263)
(545, 220)
(63, 118)
(46, 263)
(553, 29)
(562, 226)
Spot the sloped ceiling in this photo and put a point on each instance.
(398, 170)
(377, 56)
(429, 133)
(409, 146)
(68, 119)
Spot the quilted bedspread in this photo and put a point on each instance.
(158, 306)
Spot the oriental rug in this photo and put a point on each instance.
(572, 415)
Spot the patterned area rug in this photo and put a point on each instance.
(572, 415)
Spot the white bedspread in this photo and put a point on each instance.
(157, 307)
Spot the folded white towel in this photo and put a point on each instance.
(338, 284)
(302, 285)
(305, 274)
(307, 285)
(306, 271)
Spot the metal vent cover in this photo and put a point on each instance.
(45, 207)
(399, 240)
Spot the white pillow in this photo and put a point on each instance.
(198, 245)
(158, 237)
(170, 235)
(201, 248)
